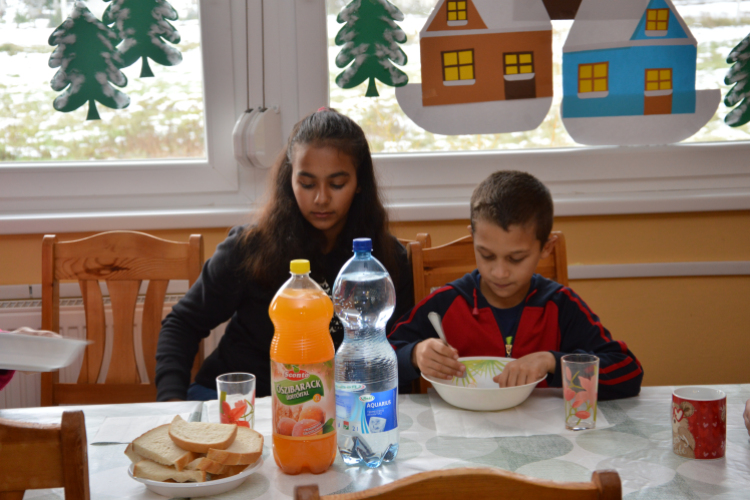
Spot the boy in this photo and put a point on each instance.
(504, 309)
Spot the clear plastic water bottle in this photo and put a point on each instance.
(366, 368)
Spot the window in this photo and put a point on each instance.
(458, 67)
(657, 20)
(520, 63)
(456, 11)
(592, 78)
(658, 79)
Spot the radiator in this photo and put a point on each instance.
(24, 390)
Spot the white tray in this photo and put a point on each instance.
(39, 354)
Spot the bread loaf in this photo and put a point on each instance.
(246, 449)
(156, 445)
(147, 469)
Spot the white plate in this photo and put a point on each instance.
(192, 490)
(38, 354)
(479, 392)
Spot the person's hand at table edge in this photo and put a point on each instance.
(526, 370)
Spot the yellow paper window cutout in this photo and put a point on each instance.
(651, 14)
(462, 15)
(652, 75)
(511, 59)
(600, 70)
(659, 79)
(600, 85)
(663, 15)
(652, 86)
(450, 59)
(511, 70)
(525, 58)
(592, 78)
(584, 71)
(451, 16)
(665, 85)
(519, 63)
(451, 5)
(461, 5)
(451, 74)
(651, 26)
(657, 19)
(465, 57)
(467, 72)
(665, 74)
(586, 86)
(526, 69)
(458, 65)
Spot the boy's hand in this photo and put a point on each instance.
(747, 415)
(527, 369)
(437, 359)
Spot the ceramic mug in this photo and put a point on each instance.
(699, 423)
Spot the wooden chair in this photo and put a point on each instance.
(479, 484)
(122, 259)
(434, 267)
(36, 456)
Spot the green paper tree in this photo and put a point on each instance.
(739, 76)
(88, 62)
(144, 26)
(370, 38)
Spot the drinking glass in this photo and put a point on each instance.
(580, 384)
(236, 398)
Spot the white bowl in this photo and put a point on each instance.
(477, 391)
(194, 490)
(38, 354)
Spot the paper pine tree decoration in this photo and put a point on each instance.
(143, 26)
(88, 62)
(739, 75)
(370, 41)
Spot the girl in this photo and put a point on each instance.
(323, 194)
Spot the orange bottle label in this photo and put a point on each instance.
(304, 400)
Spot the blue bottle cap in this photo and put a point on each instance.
(362, 245)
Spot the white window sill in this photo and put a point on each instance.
(519, 77)
(657, 93)
(458, 23)
(593, 95)
(458, 83)
(656, 33)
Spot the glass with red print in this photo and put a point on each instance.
(236, 398)
(580, 374)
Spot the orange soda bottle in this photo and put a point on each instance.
(302, 375)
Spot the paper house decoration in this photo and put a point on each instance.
(629, 75)
(486, 68)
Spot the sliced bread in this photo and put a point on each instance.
(147, 469)
(156, 445)
(229, 471)
(199, 437)
(208, 465)
(132, 455)
(246, 449)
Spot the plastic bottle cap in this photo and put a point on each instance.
(299, 266)
(362, 245)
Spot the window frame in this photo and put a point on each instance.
(417, 186)
(657, 21)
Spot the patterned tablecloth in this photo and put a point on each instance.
(637, 445)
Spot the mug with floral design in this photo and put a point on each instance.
(699, 423)
(580, 387)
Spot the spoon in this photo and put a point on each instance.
(437, 324)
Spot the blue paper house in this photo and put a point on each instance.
(629, 75)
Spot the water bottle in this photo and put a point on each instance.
(366, 368)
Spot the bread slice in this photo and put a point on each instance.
(156, 445)
(246, 449)
(208, 465)
(147, 469)
(199, 437)
(229, 471)
(132, 455)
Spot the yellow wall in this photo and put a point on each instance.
(692, 330)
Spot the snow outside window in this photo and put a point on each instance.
(164, 118)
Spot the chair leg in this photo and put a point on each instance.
(307, 492)
(11, 495)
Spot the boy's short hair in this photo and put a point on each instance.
(510, 197)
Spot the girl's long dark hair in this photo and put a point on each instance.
(281, 232)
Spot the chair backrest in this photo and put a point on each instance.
(480, 484)
(36, 456)
(122, 259)
(434, 267)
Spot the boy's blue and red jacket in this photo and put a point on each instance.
(553, 319)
